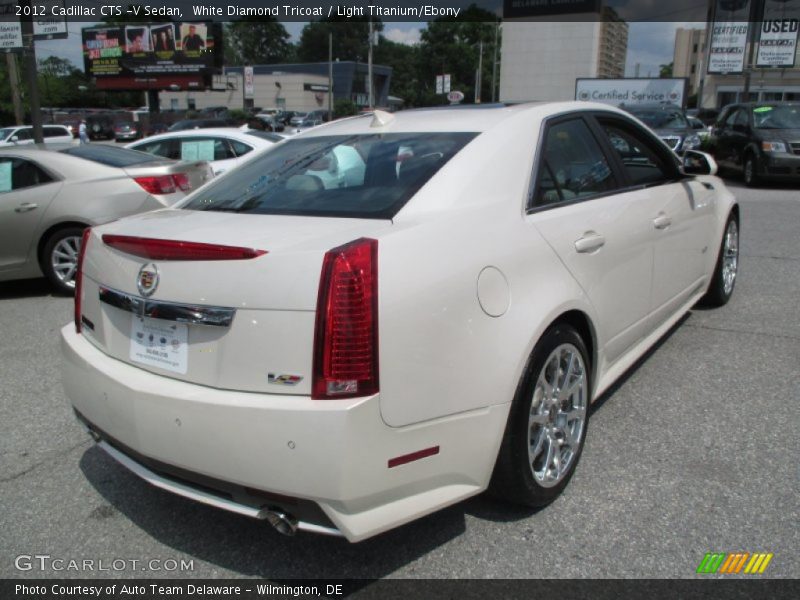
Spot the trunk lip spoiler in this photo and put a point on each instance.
(194, 314)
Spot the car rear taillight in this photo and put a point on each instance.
(346, 331)
(182, 181)
(79, 277)
(158, 186)
(156, 249)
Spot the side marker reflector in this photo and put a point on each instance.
(407, 458)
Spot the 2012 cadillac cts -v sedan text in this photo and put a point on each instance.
(391, 313)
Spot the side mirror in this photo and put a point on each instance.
(14, 138)
(698, 163)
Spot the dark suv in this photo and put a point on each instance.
(669, 122)
(759, 139)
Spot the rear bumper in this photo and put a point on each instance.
(332, 453)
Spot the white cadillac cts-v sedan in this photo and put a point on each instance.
(391, 313)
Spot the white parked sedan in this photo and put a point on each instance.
(223, 148)
(344, 359)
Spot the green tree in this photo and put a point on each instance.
(665, 71)
(452, 46)
(344, 108)
(350, 39)
(257, 41)
(404, 61)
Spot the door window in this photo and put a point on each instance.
(16, 174)
(165, 148)
(640, 157)
(572, 165)
(200, 148)
(23, 135)
(51, 132)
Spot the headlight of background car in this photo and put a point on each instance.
(773, 146)
(691, 142)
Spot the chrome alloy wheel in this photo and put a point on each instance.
(558, 415)
(64, 259)
(730, 256)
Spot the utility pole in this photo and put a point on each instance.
(369, 67)
(494, 62)
(330, 75)
(29, 54)
(16, 97)
(748, 67)
(478, 75)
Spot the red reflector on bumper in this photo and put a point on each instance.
(156, 249)
(407, 458)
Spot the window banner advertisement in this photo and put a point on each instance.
(726, 53)
(777, 44)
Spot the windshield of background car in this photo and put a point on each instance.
(4, 133)
(777, 117)
(367, 176)
(111, 156)
(661, 119)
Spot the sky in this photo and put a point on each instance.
(649, 44)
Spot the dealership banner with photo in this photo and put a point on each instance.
(729, 32)
(151, 55)
(777, 44)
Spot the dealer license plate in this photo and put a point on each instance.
(159, 343)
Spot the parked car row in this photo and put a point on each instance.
(760, 141)
(48, 196)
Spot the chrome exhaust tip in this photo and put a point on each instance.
(283, 522)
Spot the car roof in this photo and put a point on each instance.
(230, 132)
(467, 118)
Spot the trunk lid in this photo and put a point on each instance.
(233, 324)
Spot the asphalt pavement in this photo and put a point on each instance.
(694, 451)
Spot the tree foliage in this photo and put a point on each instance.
(453, 46)
(257, 41)
(350, 39)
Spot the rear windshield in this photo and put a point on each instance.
(111, 156)
(358, 176)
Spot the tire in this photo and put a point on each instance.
(60, 258)
(539, 430)
(750, 170)
(724, 278)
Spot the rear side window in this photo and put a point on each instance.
(50, 132)
(572, 165)
(205, 148)
(109, 155)
(357, 176)
(17, 173)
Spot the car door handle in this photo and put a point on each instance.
(590, 242)
(26, 207)
(662, 221)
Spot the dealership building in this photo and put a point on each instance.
(296, 86)
(541, 60)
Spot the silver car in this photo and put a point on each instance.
(48, 197)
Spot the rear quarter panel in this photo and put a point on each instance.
(440, 353)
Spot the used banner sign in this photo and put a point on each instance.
(777, 45)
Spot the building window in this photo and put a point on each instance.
(190, 104)
(694, 50)
(694, 68)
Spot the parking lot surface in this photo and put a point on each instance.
(694, 451)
